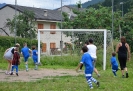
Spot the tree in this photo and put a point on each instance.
(25, 25)
(95, 19)
(127, 27)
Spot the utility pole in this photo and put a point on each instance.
(112, 24)
(121, 3)
(15, 20)
(61, 42)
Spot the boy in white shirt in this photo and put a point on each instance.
(92, 49)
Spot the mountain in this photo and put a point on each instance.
(92, 2)
(2, 5)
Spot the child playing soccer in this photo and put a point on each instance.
(87, 61)
(114, 64)
(35, 57)
(25, 51)
(15, 61)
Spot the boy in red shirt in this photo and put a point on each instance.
(15, 61)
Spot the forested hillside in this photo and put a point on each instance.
(127, 4)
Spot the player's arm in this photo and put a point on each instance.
(79, 65)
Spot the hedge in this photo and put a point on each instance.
(7, 42)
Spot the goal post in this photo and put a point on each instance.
(74, 36)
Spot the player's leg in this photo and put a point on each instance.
(13, 66)
(16, 69)
(88, 78)
(9, 66)
(36, 63)
(95, 70)
(26, 63)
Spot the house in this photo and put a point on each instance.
(69, 10)
(45, 19)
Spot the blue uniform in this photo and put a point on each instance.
(88, 63)
(35, 56)
(114, 63)
(25, 52)
(87, 60)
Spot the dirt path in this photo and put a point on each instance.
(33, 75)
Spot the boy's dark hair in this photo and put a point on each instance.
(113, 54)
(87, 42)
(33, 47)
(84, 49)
(91, 40)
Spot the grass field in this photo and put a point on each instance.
(71, 83)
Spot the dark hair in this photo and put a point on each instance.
(84, 49)
(113, 54)
(123, 39)
(87, 42)
(91, 40)
(33, 47)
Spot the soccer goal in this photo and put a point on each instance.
(68, 42)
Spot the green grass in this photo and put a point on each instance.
(69, 83)
(73, 83)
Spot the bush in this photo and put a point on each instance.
(7, 42)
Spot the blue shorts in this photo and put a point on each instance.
(26, 59)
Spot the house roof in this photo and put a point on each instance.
(52, 15)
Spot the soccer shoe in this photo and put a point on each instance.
(80, 70)
(27, 70)
(35, 68)
(7, 73)
(17, 74)
(127, 75)
(98, 84)
(123, 76)
(91, 87)
(11, 73)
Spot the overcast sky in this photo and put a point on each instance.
(48, 4)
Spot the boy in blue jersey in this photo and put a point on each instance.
(35, 56)
(114, 64)
(25, 51)
(87, 61)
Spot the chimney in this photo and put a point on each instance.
(45, 12)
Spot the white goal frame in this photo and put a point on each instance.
(77, 30)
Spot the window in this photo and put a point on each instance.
(52, 45)
(40, 26)
(44, 47)
(52, 26)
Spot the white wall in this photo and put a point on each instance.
(52, 38)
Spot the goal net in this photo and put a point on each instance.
(68, 42)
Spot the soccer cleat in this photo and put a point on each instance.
(127, 75)
(35, 68)
(7, 73)
(27, 70)
(80, 70)
(11, 73)
(17, 74)
(123, 76)
(91, 87)
(98, 84)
